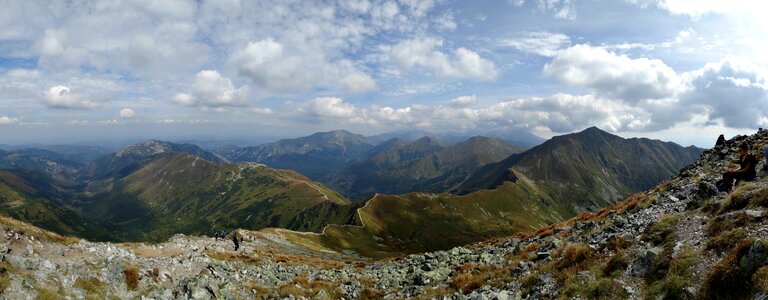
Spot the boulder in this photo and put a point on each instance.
(756, 257)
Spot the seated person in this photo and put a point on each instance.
(746, 172)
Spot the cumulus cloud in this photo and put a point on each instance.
(358, 82)
(329, 107)
(127, 113)
(558, 113)
(422, 53)
(731, 91)
(612, 75)
(543, 43)
(5, 120)
(463, 101)
(270, 67)
(210, 89)
(62, 97)
(696, 9)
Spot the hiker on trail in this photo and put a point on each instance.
(720, 140)
(746, 172)
(236, 239)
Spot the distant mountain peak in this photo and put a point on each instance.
(144, 148)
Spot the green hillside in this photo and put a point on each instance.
(390, 225)
(181, 193)
(589, 169)
(34, 197)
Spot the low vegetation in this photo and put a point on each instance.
(727, 280)
(670, 282)
(131, 273)
(726, 240)
(93, 287)
(662, 232)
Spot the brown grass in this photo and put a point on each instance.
(727, 280)
(530, 248)
(574, 255)
(93, 287)
(726, 222)
(467, 282)
(726, 240)
(5, 269)
(131, 273)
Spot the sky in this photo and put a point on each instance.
(677, 70)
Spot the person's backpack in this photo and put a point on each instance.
(722, 186)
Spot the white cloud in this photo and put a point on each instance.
(185, 99)
(330, 107)
(61, 97)
(463, 101)
(421, 53)
(5, 120)
(560, 9)
(558, 113)
(127, 113)
(445, 22)
(612, 75)
(731, 91)
(262, 110)
(697, 8)
(267, 64)
(210, 89)
(358, 82)
(543, 43)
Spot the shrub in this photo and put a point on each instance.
(727, 280)
(131, 273)
(726, 240)
(617, 264)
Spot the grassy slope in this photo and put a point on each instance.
(181, 193)
(589, 169)
(32, 197)
(418, 222)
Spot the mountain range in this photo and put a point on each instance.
(412, 196)
(680, 239)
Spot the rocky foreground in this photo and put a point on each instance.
(680, 240)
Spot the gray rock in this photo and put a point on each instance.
(756, 257)
(642, 264)
(199, 293)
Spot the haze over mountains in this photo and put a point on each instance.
(404, 190)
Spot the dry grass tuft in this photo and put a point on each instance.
(727, 280)
(726, 240)
(467, 282)
(131, 273)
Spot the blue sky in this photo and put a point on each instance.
(676, 70)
